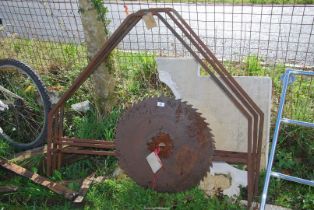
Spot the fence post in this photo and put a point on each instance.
(96, 34)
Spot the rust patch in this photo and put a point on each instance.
(164, 142)
(185, 160)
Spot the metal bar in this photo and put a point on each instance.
(230, 157)
(91, 141)
(297, 122)
(88, 152)
(275, 139)
(29, 153)
(54, 140)
(256, 145)
(100, 56)
(77, 144)
(293, 178)
(49, 142)
(57, 188)
(258, 116)
(60, 134)
(84, 188)
(298, 72)
(8, 189)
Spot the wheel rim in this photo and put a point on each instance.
(23, 114)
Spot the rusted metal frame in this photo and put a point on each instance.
(55, 145)
(251, 178)
(251, 173)
(228, 76)
(256, 148)
(82, 75)
(101, 55)
(255, 110)
(84, 188)
(55, 139)
(118, 35)
(230, 157)
(215, 78)
(57, 127)
(60, 134)
(8, 189)
(57, 188)
(53, 152)
(88, 152)
(251, 155)
(223, 69)
(92, 141)
(29, 153)
(79, 144)
(50, 139)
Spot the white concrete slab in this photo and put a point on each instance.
(228, 125)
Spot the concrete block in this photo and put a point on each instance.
(225, 178)
(229, 126)
(215, 184)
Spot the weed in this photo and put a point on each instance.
(253, 65)
(137, 78)
(28, 193)
(5, 149)
(93, 125)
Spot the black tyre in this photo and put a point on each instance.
(24, 105)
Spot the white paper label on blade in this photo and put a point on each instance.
(154, 162)
(160, 104)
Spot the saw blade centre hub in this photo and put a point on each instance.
(162, 141)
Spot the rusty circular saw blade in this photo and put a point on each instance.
(186, 144)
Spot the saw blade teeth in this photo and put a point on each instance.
(195, 110)
(198, 128)
(184, 102)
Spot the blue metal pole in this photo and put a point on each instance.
(275, 138)
(292, 178)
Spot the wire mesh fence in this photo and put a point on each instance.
(42, 33)
(251, 39)
(275, 33)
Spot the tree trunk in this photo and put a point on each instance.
(103, 76)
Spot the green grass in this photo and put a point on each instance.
(125, 194)
(289, 194)
(137, 78)
(5, 148)
(136, 75)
